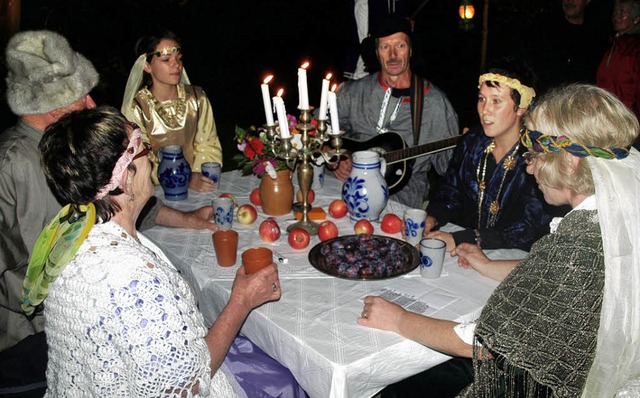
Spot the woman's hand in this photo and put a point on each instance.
(470, 256)
(201, 183)
(253, 290)
(380, 314)
(430, 224)
(201, 219)
(443, 236)
(344, 168)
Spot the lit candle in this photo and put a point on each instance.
(278, 103)
(266, 100)
(303, 92)
(333, 109)
(323, 97)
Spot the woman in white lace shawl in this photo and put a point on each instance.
(120, 319)
(565, 320)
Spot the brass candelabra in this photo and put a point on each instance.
(311, 151)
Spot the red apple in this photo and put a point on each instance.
(327, 230)
(338, 208)
(247, 214)
(255, 197)
(269, 230)
(363, 227)
(299, 238)
(231, 196)
(311, 196)
(391, 224)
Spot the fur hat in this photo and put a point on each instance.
(44, 73)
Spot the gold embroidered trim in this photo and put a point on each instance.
(508, 164)
(171, 112)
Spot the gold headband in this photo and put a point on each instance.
(165, 51)
(526, 93)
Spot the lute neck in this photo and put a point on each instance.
(420, 150)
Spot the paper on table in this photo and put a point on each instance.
(414, 297)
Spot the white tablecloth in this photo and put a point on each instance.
(312, 329)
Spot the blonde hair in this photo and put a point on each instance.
(587, 115)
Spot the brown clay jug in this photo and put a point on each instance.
(276, 195)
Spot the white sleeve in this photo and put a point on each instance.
(466, 332)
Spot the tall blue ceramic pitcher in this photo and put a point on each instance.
(174, 173)
(365, 190)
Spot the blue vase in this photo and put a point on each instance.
(174, 173)
(365, 190)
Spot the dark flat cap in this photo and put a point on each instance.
(389, 25)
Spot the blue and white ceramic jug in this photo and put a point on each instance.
(174, 172)
(365, 191)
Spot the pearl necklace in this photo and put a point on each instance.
(508, 164)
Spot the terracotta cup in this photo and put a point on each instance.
(226, 245)
(256, 258)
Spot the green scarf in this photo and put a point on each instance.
(56, 246)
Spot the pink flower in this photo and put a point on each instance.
(293, 122)
(261, 165)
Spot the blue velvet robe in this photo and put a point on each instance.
(524, 216)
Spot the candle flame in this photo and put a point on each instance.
(267, 79)
(328, 76)
(333, 88)
(305, 65)
(280, 92)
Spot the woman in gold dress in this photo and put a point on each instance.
(168, 109)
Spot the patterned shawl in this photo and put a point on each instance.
(541, 323)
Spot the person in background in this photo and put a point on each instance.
(563, 321)
(382, 102)
(169, 110)
(619, 71)
(136, 328)
(566, 45)
(46, 79)
(486, 189)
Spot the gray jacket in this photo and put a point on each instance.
(359, 108)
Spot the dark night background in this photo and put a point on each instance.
(230, 46)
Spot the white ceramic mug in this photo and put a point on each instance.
(223, 212)
(431, 257)
(414, 223)
(213, 171)
(318, 176)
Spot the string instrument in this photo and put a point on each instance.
(400, 158)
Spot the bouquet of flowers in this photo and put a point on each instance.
(256, 156)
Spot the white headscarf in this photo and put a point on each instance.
(133, 85)
(616, 367)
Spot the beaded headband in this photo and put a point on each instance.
(548, 143)
(165, 51)
(526, 93)
(121, 165)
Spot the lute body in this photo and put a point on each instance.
(400, 158)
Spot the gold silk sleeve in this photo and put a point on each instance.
(139, 118)
(206, 144)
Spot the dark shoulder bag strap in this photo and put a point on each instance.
(417, 103)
